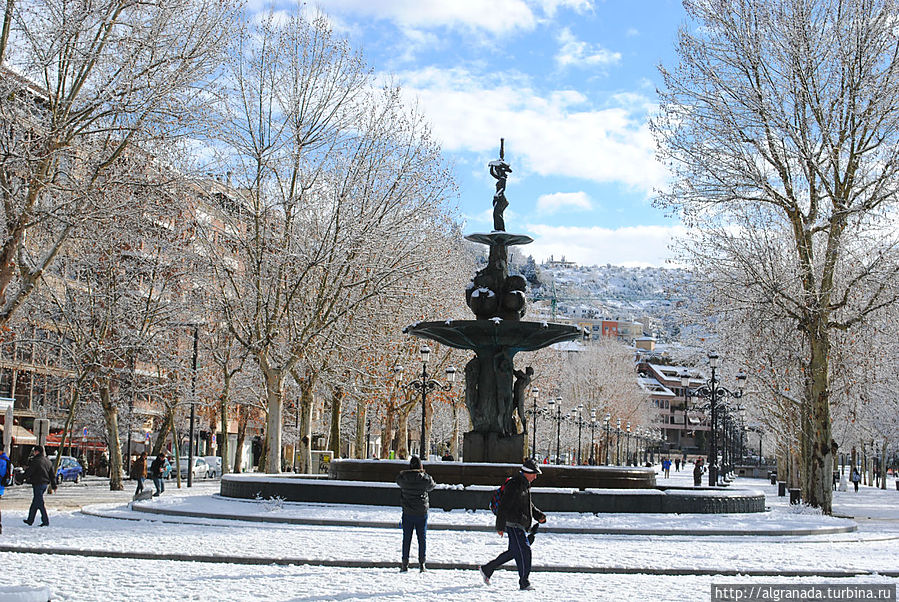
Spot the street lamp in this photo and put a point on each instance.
(627, 453)
(580, 423)
(535, 393)
(608, 436)
(557, 418)
(618, 442)
(592, 457)
(714, 392)
(425, 384)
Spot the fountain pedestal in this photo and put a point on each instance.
(492, 447)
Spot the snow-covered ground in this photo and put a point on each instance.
(567, 566)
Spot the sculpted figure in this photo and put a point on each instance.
(519, 390)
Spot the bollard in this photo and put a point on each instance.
(795, 496)
(781, 488)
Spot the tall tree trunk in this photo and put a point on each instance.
(402, 430)
(307, 399)
(387, 430)
(334, 436)
(168, 422)
(883, 464)
(359, 449)
(111, 416)
(223, 408)
(274, 396)
(815, 434)
(242, 418)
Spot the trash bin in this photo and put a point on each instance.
(781, 488)
(795, 496)
(773, 478)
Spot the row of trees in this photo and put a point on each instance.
(293, 274)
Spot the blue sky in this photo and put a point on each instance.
(569, 84)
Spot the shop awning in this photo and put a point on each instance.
(22, 436)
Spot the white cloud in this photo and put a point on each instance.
(558, 133)
(550, 203)
(575, 53)
(579, 6)
(633, 246)
(503, 16)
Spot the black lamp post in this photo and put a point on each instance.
(627, 452)
(193, 403)
(714, 392)
(608, 437)
(580, 424)
(426, 384)
(618, 442)
(557, 418)
(535, 393)
(592, 457)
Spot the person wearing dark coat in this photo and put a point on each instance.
(139, 471)
(414, 484)
(514, 516)
(157, 468)
(39, 473)
(698, 469)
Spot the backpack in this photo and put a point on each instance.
(497, 496)
(6, 479)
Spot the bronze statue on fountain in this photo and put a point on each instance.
(492, 393)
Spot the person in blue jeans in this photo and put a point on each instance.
(5, 466)
(414, 484)
(514, 516)
(39, 473)
(157, 471)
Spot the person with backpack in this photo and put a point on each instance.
(5, 475)
(414, 484)
(515, 513)
(855, 478)
(39, 473)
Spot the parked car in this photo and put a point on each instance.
(215, 466)
(200, 468)
(69, 469)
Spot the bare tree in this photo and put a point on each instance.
(82, 84)
(336, 182)
(780, 126)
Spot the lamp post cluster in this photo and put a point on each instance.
(424, 385)
(715, 394)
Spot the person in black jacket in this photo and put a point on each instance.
(157, 470)
(414, 484)
(514, 516)
(39, 473)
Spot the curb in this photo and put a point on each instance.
(363, 564)
(485, 528)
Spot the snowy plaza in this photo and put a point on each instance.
(110, 552)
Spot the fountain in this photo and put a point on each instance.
(494, 389)
(494, 394)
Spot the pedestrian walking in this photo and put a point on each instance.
(157, 470)
(856, 477)
(139, 472)
(698, 469)
(677, 465)
(5, 475)
(414, 484)
(514, 516)
(666, 467)
(39, 473)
